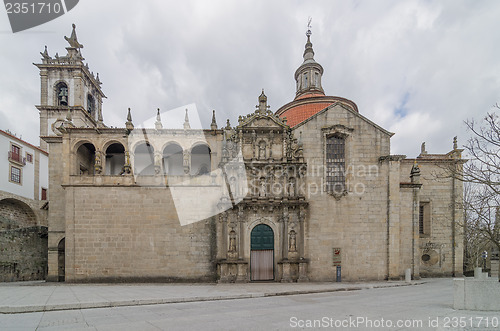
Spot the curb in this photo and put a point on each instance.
(144, 302)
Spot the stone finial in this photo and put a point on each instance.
(158, 124)
(455, 144)
(129, 125)
(415, 173)
(228, 125)
(45, 54)
(213, 125)
(186, 121)
(73, 40)
(262, 108)
(422, 149)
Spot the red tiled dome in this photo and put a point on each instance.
(305, 107)
(300, 113)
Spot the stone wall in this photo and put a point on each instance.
(355, 222)
(133, 234)
(443, 243)
(23, 239)
(23, 254)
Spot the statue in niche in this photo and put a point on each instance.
(185, 162)
(232, 241)
(262, 150)
(262, 185)
(158, 160)
(292, 241)
(98, 162)
(291, 187)
(232, 186)
(126, 167)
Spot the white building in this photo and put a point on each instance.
(24, 184)
(24, 168)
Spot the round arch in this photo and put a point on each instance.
(173, 159)
(115, 158)
(16, 214)
(143, 158)
(107, 143)
(57, 85)
(262, 243)
(201, 159)
(84, 155)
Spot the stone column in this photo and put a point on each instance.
(393, 223)
(415, 180)
(186, 162)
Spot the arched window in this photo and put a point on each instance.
(85, 158)
(335, 164)
(115, 159)
(144, 159)
(62, 94)
(305, 81)
(173, 160)
(200, 160)
(90, 105)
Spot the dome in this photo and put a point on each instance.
(310, 97)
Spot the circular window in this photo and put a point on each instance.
(426, 257)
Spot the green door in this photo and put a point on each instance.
(262, 253)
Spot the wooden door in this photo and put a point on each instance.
(262, 253)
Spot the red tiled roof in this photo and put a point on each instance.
(310, 95)
(300, 113)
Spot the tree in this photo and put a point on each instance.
(482, 190)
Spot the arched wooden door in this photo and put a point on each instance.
(262, 253)
(61, 261)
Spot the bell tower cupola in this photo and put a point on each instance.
(308, 75)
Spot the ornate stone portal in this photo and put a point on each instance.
(272, 194)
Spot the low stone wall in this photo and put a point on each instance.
(476, 293)
(23, 254)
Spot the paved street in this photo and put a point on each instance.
(425, 306)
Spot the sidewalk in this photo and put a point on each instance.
(24, 297)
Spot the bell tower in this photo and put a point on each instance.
(308, 75)
(69, 91)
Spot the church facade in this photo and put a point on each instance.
(289, 195)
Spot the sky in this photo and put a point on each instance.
(416, 68)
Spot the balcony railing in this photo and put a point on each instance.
(16, 158)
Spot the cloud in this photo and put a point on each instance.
(417, 68)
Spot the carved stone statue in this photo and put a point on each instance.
(232, 241)
(292, 241)
(262, 150)
(291, 187)
(262, 190)
(158, 159)
(126, 167)
(98, 162)
(185, 162)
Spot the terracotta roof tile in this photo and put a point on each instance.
(300, 113)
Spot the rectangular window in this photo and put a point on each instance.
(15, 175)
(44, 193)
(335, 164)
(15, 153)
(424, 219)
(29, 157)
(421, 220)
